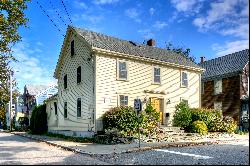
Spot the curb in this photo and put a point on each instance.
(168, 145)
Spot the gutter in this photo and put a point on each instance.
(139, 58)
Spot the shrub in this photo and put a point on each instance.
(123, 118)
(24, 123)
(229, 124)
(149, 120)
(38, 121)
(210, 117)
(199, 127)
(183, 116)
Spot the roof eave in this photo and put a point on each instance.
(122, 55)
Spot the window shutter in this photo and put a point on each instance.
(72, 48)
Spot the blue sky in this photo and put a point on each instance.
(209, 28)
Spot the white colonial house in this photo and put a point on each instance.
(96, 72)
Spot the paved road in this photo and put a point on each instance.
(234, 153)
(18, 150)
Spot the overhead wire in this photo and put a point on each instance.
(49, 17)
(66, 12)
(57, 12)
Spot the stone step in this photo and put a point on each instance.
(172, 129)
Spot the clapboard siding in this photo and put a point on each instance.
(140, 78)
(83, 90)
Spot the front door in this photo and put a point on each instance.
(156, 103)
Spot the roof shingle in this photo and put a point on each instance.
(225, 66)
(127, 47)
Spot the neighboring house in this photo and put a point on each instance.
(35, 95)
(96, 72)
(225, 85)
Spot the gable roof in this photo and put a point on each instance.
(35, 89)
(225, 66)
(104, 42)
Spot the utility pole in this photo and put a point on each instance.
(10, 111)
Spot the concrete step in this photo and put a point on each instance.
(171, 129)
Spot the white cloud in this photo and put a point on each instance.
(230, 47)
(151, 11)
(103, 2)
(226, 17)
(29, 69)
(93, 19)
(79, 4)
(160, 24)
(187, 5)
(146, 33)
(133, 13)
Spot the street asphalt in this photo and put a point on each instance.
(234, 153)
(19, 150)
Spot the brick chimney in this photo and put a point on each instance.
(151, 42)
(203, 59)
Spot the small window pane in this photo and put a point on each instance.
(123, 100)
(157, 75)
(72, 48)
(123, 70)
(79, 107)
(65, 110)
(184, 80)
(55, 106)
(217, 86)
(65, 81)
(79, 74)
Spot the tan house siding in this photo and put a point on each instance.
(74, 90)
(140, 78)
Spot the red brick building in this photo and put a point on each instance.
(225, 85)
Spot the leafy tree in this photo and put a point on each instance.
(11, 18)
(180, 50)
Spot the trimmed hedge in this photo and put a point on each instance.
(199, 127)
(38, 120)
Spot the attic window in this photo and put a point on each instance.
(72, 48)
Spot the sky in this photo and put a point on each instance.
(210, 28)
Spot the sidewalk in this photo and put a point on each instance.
(98, 149)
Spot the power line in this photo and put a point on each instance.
(57, 12)
(49, 17)
(67, 12)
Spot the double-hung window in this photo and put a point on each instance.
(184, 79)
(79, 74)
(65, 110)
(122, 70)
(157, 75)
(79, 107)
(72, 48)
(55, 106)
(123, 100)
(217, 87)
(65, 81)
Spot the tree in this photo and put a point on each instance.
(180, 50)
(11, 18)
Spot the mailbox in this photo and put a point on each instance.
(167, 114)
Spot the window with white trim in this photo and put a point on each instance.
(65, 110)
(184, 79)
(122, 70)
(79, 107)
(157, 75)
(184, 100)
(217, 87)
(123, 100)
